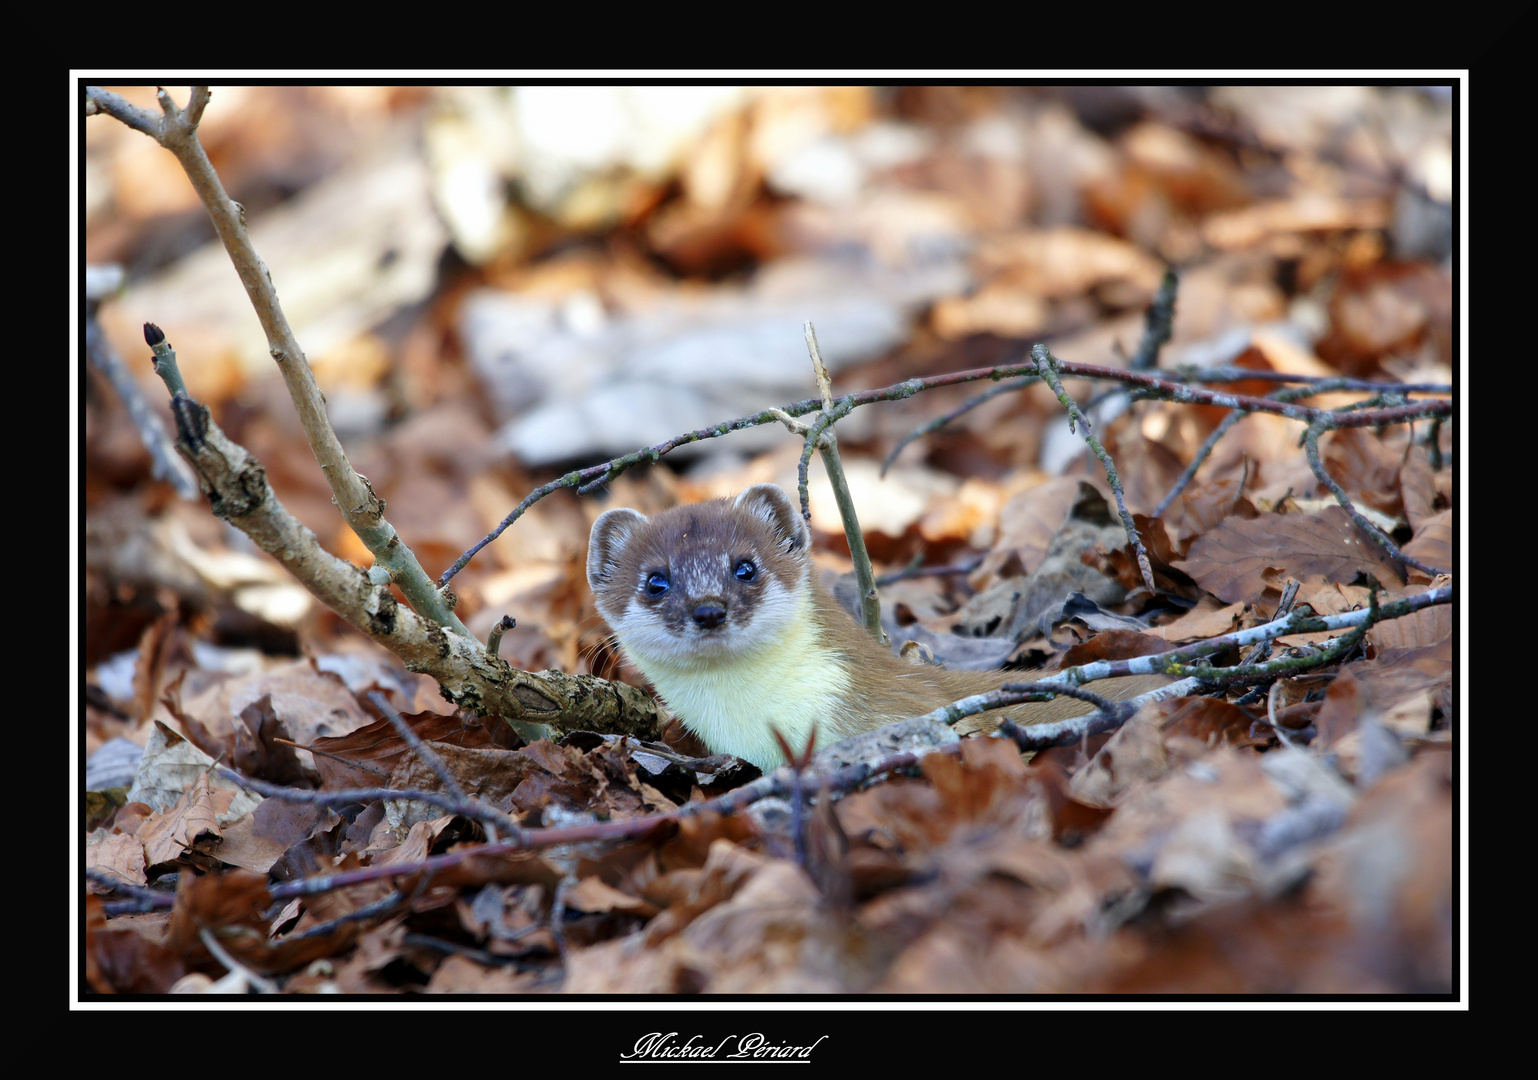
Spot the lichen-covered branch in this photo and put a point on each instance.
(1179, 662)
(469, 676)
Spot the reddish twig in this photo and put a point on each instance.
(1165, 388)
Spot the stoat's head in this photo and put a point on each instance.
(700, 583)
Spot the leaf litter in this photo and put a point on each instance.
(1300, 842)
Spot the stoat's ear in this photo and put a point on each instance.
(611, 532)
(767, 501)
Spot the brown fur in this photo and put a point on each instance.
(888, 688)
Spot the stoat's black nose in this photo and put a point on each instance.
(709, 615)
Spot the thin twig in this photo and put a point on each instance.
(1069, 732)
(383, 906)
(1158, 324)
(434, 762)
(929, 427)
(1293, 393)
(1263, 649)
(1114, 714)
(150, 898)
(420, 748)
(1226, 425)
(1167, 388)
(211, 943)
(470, 676)
(916, 570)
(1222, 374)
(1282, 734)
(165, 365)
(1046, 365)
(463, 806)
(827, 446)
(1315, 462)
(815, 432)
(1047, 693)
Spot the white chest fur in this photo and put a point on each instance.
(789, 682)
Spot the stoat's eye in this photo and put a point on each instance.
(746, 571)
(657, 584)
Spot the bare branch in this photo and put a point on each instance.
(1315, 462)
(1170, 389)
(1045, 365)
(827, 446)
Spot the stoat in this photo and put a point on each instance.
(719, 605)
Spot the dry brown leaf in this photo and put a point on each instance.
(1418, 630)
(308, 703)
(1112, 645)
(1203, 506)
(1002, 308)
(257, 841)
(366, 756)
(1395, 674)
(232, 905)
(1230, 561)
(1385, 308)
(1433, 541)
(1188, 826)
(1207, 619)
(418, 843)
(1389, 876)
(155, 648)
(591, 894)
(631, 965)
(192, 821)
(485, 773)
(969, 516)
(1027, 524)
(1367, 465)
(1344, 704)
(727, 867)
(1067, 261)
(120, 961)
(461, 975)
(116, 854)
(1134, 754)
(1147, 468)
(1310, 212)
(1204, 723)
(1417, 487)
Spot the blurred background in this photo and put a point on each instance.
(495, 284)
